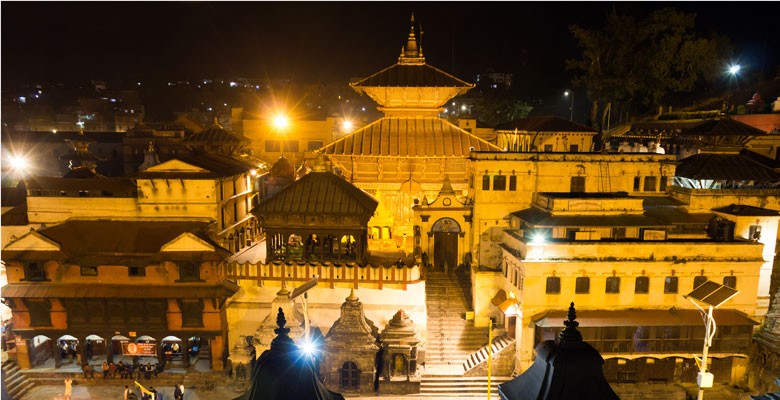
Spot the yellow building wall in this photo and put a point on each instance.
(52, 210)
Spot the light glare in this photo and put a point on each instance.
(281, 121)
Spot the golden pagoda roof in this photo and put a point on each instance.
(411, 75)
(409, 137)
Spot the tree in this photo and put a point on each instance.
(637, 64)
(498, 107)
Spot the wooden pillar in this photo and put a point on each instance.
(185, 352)
(23, 352)
(216, 346)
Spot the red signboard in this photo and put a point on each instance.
(139, 349)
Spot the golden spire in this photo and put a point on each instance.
(411, 53)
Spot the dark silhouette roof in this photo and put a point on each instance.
(543, 124)
(747, 211)
(320, 193)
(564, 369)
(215, 134)
(282, 168)
(409, 137)
(730, 167)
(283, 373)
(119, 187)
(723, 127)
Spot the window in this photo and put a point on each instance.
(577, 184)
(499, 182)
(136, 271)
(191, 313)
(664, 179)
(613, 284)
(272, 146)
(39, 312)
(582, 285)
(574, 148)
(553, 285)
(189, 271)
(512, 183)
(349, 376)
(670, 284)
(619, 233)
(637, 182)
(642, 285)
(485, 182)
(33, 271)
(650, 184)
(698, 280)
(548, 148)
(730, 281)
(88, 271)
(314, 145)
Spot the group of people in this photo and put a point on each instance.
(152, 393)
(123, 371)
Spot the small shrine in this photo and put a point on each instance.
(399, 340)
(282, 372)
(265, 333)
(351, 350)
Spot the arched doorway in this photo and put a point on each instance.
(445, 244)
(95, 346)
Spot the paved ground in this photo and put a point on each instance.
(115, 392)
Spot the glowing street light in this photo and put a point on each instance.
(346, 126)
(281, 122)
(734, 69)
(733, 72)
(19, 163)
(571, 108)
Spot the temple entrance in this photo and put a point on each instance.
(445, 244)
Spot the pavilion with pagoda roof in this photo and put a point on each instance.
(404, 156)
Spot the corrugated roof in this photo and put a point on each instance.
(729, 167)
(121, 239)
(53, 290)
(319, 193)
(747, 211)
(676, 216)
(539, 218)
(543, 124)
(409, 137)
(118, 186)
(411, 75)
(598, 318)
(219, 165)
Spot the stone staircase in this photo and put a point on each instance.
(14, 381)
(451, 338)
(460, 386)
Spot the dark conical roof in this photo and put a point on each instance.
(283, 373)
(282, 168)
(565, 369)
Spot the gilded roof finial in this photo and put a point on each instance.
(411, 54)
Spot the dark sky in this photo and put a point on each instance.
(328, 41)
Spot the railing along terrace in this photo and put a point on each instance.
(329, 273)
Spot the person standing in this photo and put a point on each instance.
(68, 388)
(104, 367)
(177, 394)
(126, 393)
(181, 388)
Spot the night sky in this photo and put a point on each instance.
(331, 42)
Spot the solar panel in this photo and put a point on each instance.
(712, 293)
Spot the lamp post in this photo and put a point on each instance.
(733, 71)
(571, 107)
(712, 295)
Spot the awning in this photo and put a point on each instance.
(601, 318)
(71, 291)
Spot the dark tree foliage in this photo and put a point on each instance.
(498, 107)
(636, 64)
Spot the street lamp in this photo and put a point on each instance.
(712, 295)
(281, 122)
(571, 108)
(733, 71)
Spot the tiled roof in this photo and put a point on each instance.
(185, 291)
(409, 137)
(730, 167)
(320, 193)
(414, 75)
(215, 134)
(723, 127)
(219, 165)
(119, 187)
(543, 124)
(99, 238)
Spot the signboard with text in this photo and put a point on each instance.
(139, 349)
